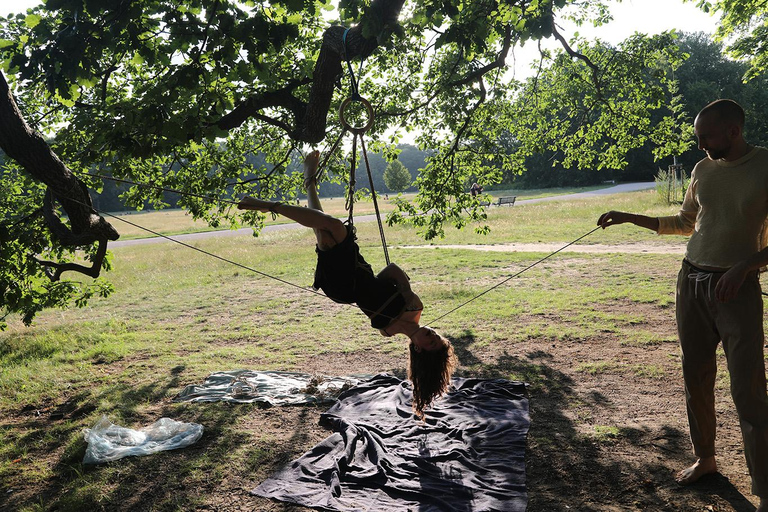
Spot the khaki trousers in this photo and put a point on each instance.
(702, 323)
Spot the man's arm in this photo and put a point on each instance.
(728, 286)
(612, 217)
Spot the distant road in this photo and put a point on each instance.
(616, 189)
(191, 237)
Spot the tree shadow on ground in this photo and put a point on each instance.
(567, 470)
(173, 480)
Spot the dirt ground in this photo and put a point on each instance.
(575, 462)
(571, 468)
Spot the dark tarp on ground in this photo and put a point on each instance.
(469, 454)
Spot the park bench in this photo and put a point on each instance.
(484, 203)
(506, 200)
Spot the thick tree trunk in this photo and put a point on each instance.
(335, 49)
(327, 70)
(30, 150)
(310, 119)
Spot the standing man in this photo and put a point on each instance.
(718, 293)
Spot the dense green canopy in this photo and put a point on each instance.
(180, 94)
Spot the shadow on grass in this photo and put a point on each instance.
(567, 470)
(227, 456)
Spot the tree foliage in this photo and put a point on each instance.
(178, 95)
(744, 24)
(396, 176)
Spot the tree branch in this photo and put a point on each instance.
(310, 118)
(574, 54)
(92, 271)
(30, 150)
(498, 63)
(252, 106)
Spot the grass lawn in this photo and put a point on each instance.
(592, 334)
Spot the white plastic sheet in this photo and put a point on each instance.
(108, 442)
(270, 387)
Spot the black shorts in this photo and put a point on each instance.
(345, 277)
(337, 267)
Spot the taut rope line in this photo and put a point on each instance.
(310, 290)
(511, 277)
(210, 253)
(375, 203)
(246, 267)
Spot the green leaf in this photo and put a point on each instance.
(32, 20)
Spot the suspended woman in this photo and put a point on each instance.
(386, 298)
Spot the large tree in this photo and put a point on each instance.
(177, 95)
(744, 25)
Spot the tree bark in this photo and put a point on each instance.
(30, 150)
(311, 118)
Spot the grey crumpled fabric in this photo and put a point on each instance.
(271, 388)
(467, 456)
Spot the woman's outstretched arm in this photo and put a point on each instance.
(403, 284)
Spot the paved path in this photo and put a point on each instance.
(191, 237)
(629, 248)
(616, 189)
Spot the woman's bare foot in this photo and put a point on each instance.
(700, 468)
(311, 161)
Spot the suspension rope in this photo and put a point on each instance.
(358, 132)
(350, 203)
(235, 263)
(203, 251)
(375, 202)
(328, 154)
(353, 80)
(315, 292)
(511, 277)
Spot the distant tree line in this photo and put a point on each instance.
(110, 199)
(706, 75)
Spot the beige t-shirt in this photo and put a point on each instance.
(724, 211)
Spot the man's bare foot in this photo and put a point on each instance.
(702, 467)
(311, 161)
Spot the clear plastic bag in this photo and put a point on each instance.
(108, 442)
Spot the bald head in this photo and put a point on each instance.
(720, 130)
(724, 112)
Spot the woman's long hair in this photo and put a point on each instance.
(430, 371)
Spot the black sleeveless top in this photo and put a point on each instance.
(344, 276)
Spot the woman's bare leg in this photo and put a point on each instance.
(310, 180)
(329, 230)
